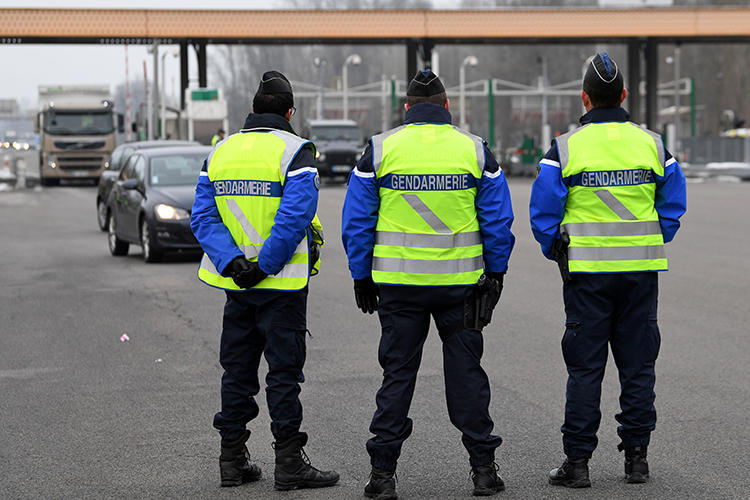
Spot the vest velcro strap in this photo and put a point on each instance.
(418, 266)
(635, 228)
(412, 240)
(617, 253)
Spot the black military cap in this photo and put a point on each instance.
(603, 76)
(274, 82)
(424, 84)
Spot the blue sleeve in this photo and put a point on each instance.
(671, 198)
(208, 228)
(495, 216)
(299, 200)
(360, 216)
(547, 205)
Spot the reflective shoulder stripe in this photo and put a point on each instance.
(412, 240)
(213, 150)
(420, 266)
(551, 163)
(659, 144)
(478, 146)
(647, 252)
(635, 228)
(377, 146)
(292, 144)
(562, 145)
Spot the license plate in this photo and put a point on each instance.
(341, 168)
(80, 173)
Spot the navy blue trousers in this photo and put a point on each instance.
(619, 310)
(257, 323)
(405, 320)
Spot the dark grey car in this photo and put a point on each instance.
(119, 156)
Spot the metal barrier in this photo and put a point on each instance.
(704, 150)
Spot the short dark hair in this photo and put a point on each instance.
(439, 99)
(605, 98)
(273, 103)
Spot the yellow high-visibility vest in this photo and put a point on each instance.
(427, 232)
(609, 213)
(248, 171)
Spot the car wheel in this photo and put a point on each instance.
(102, 215)
(117, 247)
(150, 254)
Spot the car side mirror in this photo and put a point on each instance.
(129, 184)
(37, 122)
(120, 123)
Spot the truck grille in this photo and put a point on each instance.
(80, 162)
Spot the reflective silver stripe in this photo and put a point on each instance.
(562, 145)
(395, 239)
(427, 215)
(617, 253)
(213, 150)
(208, 265)
(250, 231)
(293, 271)
(250, 251)
(292, 146)
(478, 146)
(637, 228)
(615, 205)
(659, 144)
(416, 266)
(377, 146)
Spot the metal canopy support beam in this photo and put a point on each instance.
(634, 81)
(184, 82)
(411, 60)
(200, 49)
(425, 52)
(652, 77)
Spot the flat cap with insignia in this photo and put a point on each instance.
(425, 84)
(274, 82)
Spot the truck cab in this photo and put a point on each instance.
(77, 127)
(339, 145)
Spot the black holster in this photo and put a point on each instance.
(560, 254)
(479, 306)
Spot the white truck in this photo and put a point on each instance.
(76, 126)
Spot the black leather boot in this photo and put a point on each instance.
(486, 480)
(636, 466)
(382, 485)
(293, 470)
(573, 473)
(234, 463)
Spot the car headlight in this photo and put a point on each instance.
(51, 164)
(168, 212)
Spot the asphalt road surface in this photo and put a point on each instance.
(85, 415)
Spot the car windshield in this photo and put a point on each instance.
(176, 170)
(335, 133)
(79, 123)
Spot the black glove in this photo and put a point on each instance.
(366, 294)
(244, 273)
(497, 277)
